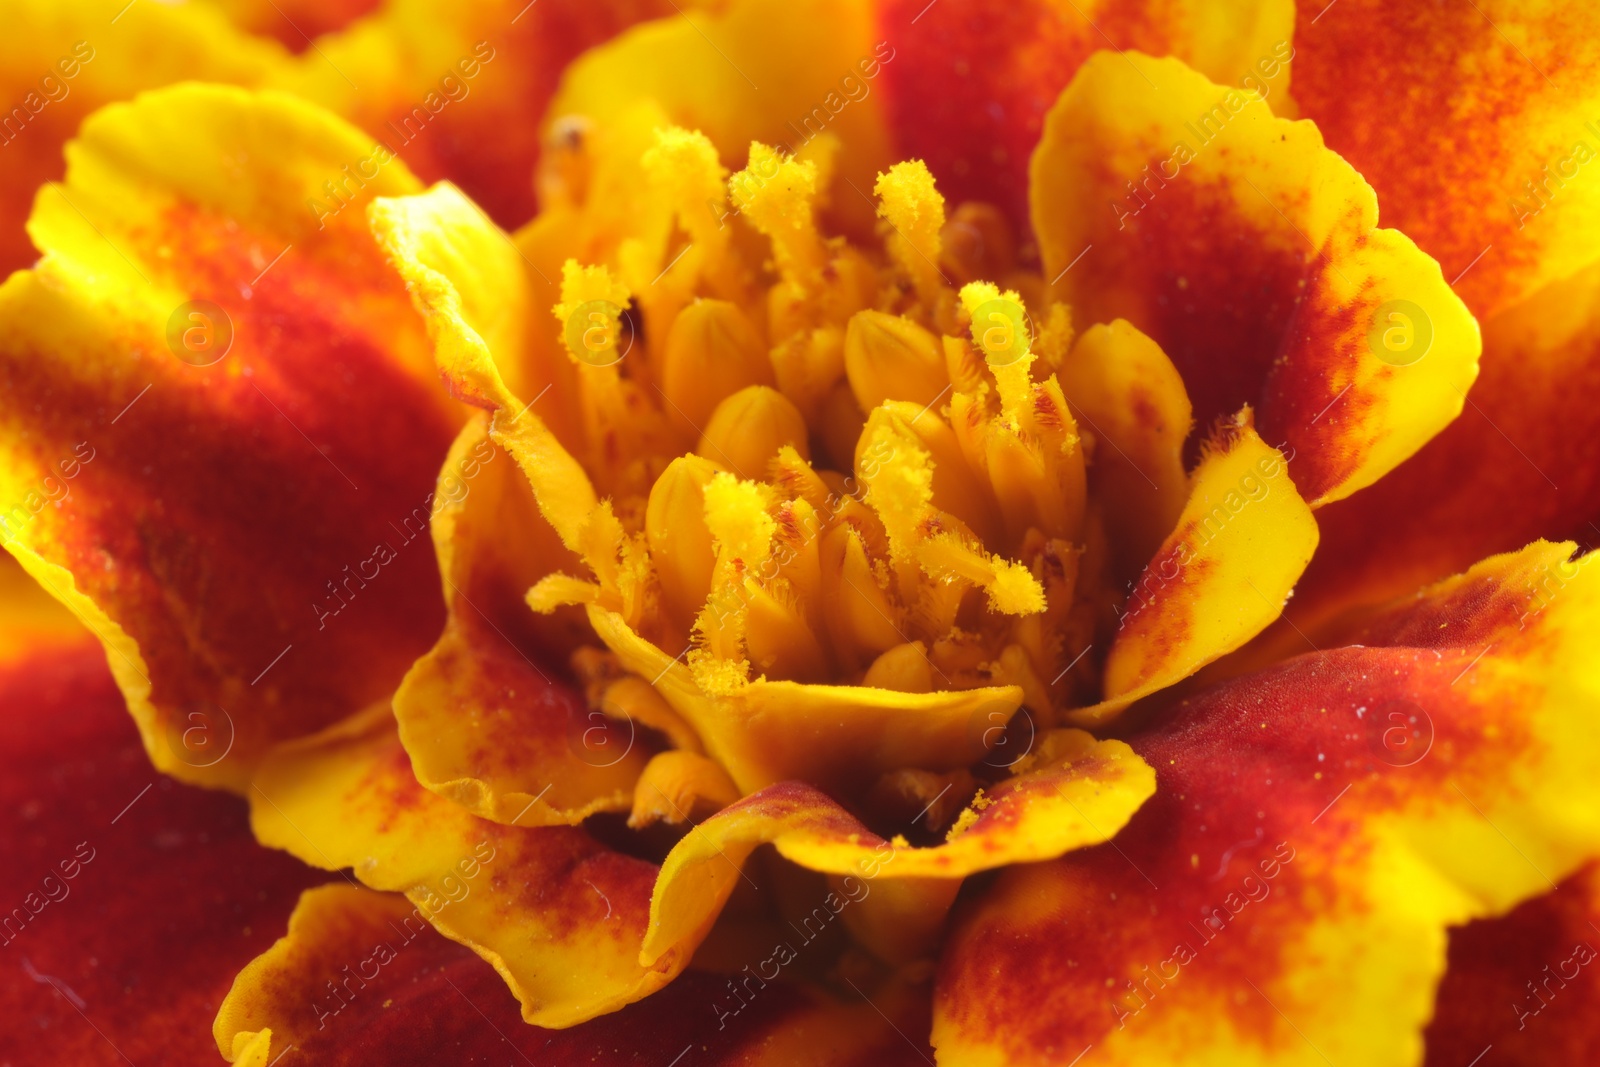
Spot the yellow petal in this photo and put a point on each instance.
(557, 914)
(1130, 396)
(1077, 792)
(1221, 577)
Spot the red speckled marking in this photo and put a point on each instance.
(1521, 462)
(176, 898)
(1215, 292)
(1383, 82)
(1485, 998)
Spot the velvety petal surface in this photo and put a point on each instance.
(1522, 461)
(1285, 896)
(222, 422)
(130, 901)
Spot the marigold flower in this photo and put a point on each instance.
(540, 458)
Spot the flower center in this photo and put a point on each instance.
(827, 461)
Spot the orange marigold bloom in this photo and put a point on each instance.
(540, 456)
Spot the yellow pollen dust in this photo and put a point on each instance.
(819, 460)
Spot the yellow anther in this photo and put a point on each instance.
(747, 429)
(860, 617)
(1055, 336)
(558, 590)
(914, 209)
(1012, 588)
(1001, 330)
(736, 514)
(955, 489)
(898, 474)
(684, 165)
(776, 195)
(807, 366)
(590, 314)
(778, 637)
(887, 357)
(712, 352)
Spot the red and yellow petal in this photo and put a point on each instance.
(1075, 791)
(559, 915)
(971, 81)
(1521, 983)
(1250, 254)
(455, 90)
(130, 901)
(1528, 436)
(62, 59)
(1222, 575)
(401, 994)
(223, 423)
(486, 715)
(1285, 896)
(1512, 229)
(1508, 199)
